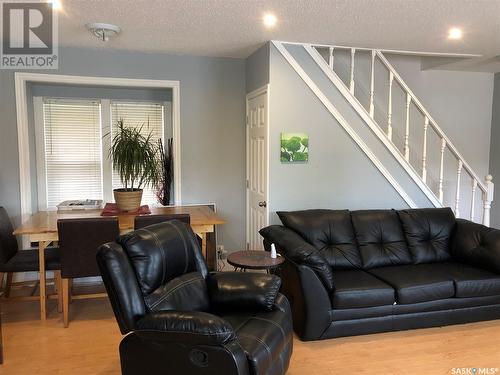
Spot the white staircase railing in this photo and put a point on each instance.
(462, 167)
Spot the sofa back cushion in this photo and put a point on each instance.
(329, 231)
(380, 237)
(428, 232)
(161, 252)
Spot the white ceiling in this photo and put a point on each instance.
(233, 28)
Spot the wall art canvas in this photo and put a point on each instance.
(294, 147)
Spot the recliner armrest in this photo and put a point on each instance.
(192, 327)
(294, 247)
(477, 245)
(242, 291)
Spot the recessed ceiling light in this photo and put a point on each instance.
(269, 20)
(56, 4)
(455, 33)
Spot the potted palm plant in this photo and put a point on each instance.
(135, 159)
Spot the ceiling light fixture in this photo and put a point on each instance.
(270, 20)
(103, 31)
(455, 33)
(56, 4)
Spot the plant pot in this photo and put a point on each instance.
(128, 200)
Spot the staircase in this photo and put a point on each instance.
(452, 183)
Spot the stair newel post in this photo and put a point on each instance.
(407, 128)
(487, 199)
(473, 200)
(330, 58)
(372, 84)
(389, 109)
(424, 150)
(457, 193)
(441, 170)
(351, 84)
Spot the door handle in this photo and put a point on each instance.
(263, 204)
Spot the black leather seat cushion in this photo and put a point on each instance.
(380, 237)
(329, 231)
(428, 232)
(469, 281)
(264, 337)
(27, 260)
(356, 288)
(416, 283)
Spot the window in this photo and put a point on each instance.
(149, 116)
(72, 156)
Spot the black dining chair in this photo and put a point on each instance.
(13, 260)
(147, 220)
(79, 240)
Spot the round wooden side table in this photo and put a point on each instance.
(254, 260)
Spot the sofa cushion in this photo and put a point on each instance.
(329, 231)
(477, 245)
(428, 232)
(416, 283)
(356, 288)
(162, 252)
(470, 281)
(380, 238)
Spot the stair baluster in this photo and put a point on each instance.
(457, 194)
(372, 85)
(441, 171)
(473, 200)
(389, 110)
(351, 82)
(407, 128)
(424, 150)
(330, 58)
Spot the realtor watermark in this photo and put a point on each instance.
(474, 371)
(29, 35)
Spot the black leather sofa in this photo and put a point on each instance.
(180, 319)
(350, 273)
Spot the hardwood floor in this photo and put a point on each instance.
(90, 346)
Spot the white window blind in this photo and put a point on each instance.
(73, 165)
(147, 115)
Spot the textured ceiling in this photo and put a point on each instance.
(233, 28)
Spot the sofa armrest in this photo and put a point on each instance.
(192, 327)
(292, 246)
(243, 291)
(477, 245)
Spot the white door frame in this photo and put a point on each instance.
(21, 80)
(249, 96)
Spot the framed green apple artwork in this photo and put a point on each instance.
(294, 148)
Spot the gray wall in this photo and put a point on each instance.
(495, 152)
(257, 68)
(212, 126)
(338, 174)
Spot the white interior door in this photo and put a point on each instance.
(257, 166)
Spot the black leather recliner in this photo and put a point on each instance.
(181, 319)
(357, 272)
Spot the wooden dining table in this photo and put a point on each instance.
(41, 227)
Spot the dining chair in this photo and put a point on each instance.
(13, 260)
(79, 240)
(142, 221)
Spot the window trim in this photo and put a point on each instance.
(22, 79)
